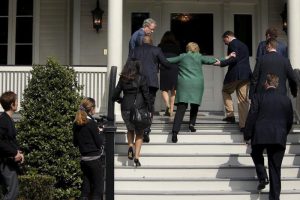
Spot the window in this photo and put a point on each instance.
(3, 31)
(194, 28)
(243, 29)
(16, 31)
(137, 20)
(24, 22)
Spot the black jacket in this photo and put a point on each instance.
(129, 89)
(8, 133)
(277, 64)
(150, 57)
(88, 138)
(270, 118)
(238, 67)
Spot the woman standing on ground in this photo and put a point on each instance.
(168, 76)
(134, 87)
(87, 136)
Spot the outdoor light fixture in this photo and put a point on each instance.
(97, 17)
(284, 18)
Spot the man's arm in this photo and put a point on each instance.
(251, 118)
(292, 79)
(254, 79)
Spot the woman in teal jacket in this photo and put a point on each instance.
(190, 85)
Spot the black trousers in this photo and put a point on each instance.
(181, 108)
(275, 155)
(9, 178)
(152, 96)
(93, 184)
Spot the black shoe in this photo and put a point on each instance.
(229, 119)
(137, 162)
(146, 137)
(262, 184)
(130, 153)
(174, 137)
(167, 113)
(192, 128)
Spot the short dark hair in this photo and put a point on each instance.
(271, 42)
(272, 32)
(272, 80)
(7, 99)
(228, 33)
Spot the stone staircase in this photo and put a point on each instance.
(211, 164)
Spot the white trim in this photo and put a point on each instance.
(36, 32)
(11, 32)
(76, 32)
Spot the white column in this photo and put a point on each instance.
(76, 33)
(115, 40)
(294, 32)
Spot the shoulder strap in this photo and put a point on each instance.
(138, 88)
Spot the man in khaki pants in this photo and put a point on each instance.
(237, 79)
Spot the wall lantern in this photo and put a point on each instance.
(284, 18)
(97, 17)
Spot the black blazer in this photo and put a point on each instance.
(277, 64)
(150, 57)
(238, 67)
(88, 138)
(270, 118)
(129, 89)
(8, 133)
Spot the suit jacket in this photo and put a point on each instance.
(150, 57)
(8, 142)
(274, 63)
(281, 49)
(136, 39)
(270, 118)
(238, 67)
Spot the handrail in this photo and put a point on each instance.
(109, 130)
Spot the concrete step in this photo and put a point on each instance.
(205, 136)
(196, 184)
(199, 148)
(197, 171)
(163, 159)
(202, 195)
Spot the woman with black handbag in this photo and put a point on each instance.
(135, 94)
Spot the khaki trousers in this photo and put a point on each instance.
(241, 88)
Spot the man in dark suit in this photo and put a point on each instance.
(273, 62)
(237, 78)
(268, 123)
(281, 47)
(150, 57)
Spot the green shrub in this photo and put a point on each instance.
(45, 128)
(36, 187)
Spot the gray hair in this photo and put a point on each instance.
(148, 21)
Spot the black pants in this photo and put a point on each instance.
(9, 178)
(152, 96)
(275, 155)
(181, 108)
(92, 185)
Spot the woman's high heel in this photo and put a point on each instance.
(137, 162)
(192, 128)
(130, 153)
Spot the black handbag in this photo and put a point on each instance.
(140, 117)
